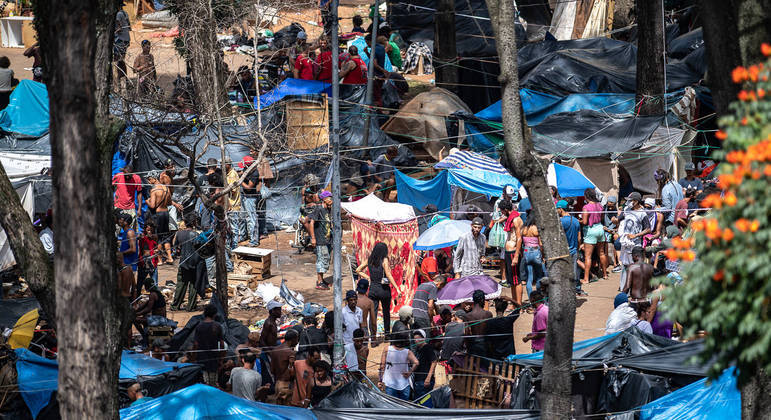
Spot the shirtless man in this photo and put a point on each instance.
(282, 360)
(638, 285)
(368, 315)
(159, 202)
(476, 343)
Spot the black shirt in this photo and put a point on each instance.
(426, 355)
(312, 337)
(208, 335)
(255, 178)
(322, 228)
(188, 257)
(453, 339)
(500, 336)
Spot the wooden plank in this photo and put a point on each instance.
(307, 125)
(467, 389)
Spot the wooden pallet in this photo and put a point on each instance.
(258, 260)
(477, 389)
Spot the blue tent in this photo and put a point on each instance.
(291, 87)
(701, 400)
(27, 112)
(581, 345)
(539, 105)
(202, 402)
(133, 365)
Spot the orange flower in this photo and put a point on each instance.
(735, 156)
(726, 180)
(697, 225)
(729, 199)
(755, 174)
(754, 70)
(728, 234)
(765, 48)
(767, 170)
(688, 255)
(721, 135)
(712, 200)
(743, 225)
(743, 96)
(672, 254)
(719, 276)
(754, 226)
(712, 230)
(739, 74)
(744, 121)
(761, 93)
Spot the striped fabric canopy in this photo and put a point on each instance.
(473, 161)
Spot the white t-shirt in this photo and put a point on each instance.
(396, 364)
(351, 322)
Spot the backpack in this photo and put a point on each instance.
(204, 244)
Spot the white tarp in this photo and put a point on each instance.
(22, 165)
(376, 210)
(27, 195)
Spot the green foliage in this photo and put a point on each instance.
(727, 287)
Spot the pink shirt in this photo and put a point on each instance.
(124, 193)
(539, 325)
(595, 213)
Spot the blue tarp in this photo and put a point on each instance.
(291, 87)
(361, 45)
(37, 379)
(437, 191)
(38, 376)
(576, 347)
(27, 112)
(201, 402)
(419, 193)
(539, 105)
(700, 400)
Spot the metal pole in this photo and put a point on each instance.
(371, 73)
(337, 231)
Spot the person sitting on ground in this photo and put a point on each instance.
(282, 360)
(209, 342)
(644, 316)
(640, 273)
(622, 316)
(244, 381)
(7, 82)
(245, 83)
(158, 350)
(322, 383)
(135, 394)
(154, 305)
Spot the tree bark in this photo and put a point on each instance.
(85, 241)
(446, 51)
(754, 26)
(650, 58)
(521, 161)
(721, 36)
(756, 396)
(27, 249)
(105, 36)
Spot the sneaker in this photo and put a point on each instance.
(616, 269)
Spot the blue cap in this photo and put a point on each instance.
(620, 298)
(562, 204)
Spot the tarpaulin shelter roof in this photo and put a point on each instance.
(465, 159)
(12, 309)
(27, 111)
(702, 400)
(292, 87)
(434, 413)
(133, 365)
(355, 394)
(202, 402)
(675, 359)
(376, 210)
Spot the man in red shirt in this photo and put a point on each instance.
(354, 71)
(324, 60)
(126, 184)
(304, 65)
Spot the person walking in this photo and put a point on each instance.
(593, 234)
(378, 272)
(470, 251)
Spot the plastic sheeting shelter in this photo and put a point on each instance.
(569, 182)
(434, 413)
(27, 112)
(202, 402)
(702, 400)
(26, 194)
(293, 87)
(373, 209)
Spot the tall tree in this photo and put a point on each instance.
(650, 58)
(522, 162)
(446, 55)
(85, 241)
(721, 38)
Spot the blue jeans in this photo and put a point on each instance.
(249, 205)
(323, 253)
(237, 228)
(402, 394)
(421, 390)
(533, 269)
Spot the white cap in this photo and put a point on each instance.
(273, 304)
(509, 190)
(650, 201)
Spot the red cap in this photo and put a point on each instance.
(246, 162)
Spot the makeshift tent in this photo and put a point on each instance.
(37, 376)
(355, 394)
(443, 234)
(293, 87)
(424, 119)
(27, 112)
(233, 331)
(394, 224)
(434, 413)
(702, 400)
(202, 402)
(569, 182)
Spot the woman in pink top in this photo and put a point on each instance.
(594, 235)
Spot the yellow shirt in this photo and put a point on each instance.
(235, 194)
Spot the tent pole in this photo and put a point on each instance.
(371, 73)
(337, 231)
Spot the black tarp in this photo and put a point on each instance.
(233, 330)
(436, 413)
(355, 394)
(589, 133)
(624, 389)
(677, 362)
(685, 44)
(162, 384)
(12, 309)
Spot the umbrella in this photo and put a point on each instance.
(569, 182)
(23, 330)
(462, 289)
(443, 234)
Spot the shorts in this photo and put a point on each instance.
(119, 49)
(594, 234)
(162, 226)
(322, 258)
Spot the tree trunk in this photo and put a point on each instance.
(721, 36)
(520, 160)
(105, 35)
(756, 396)
(446, 55)
(27, 248)
(650, 58)
(754, 23)
(84, 240)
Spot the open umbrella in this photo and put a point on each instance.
(443, 234)
(23, 330)
(462, 289)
